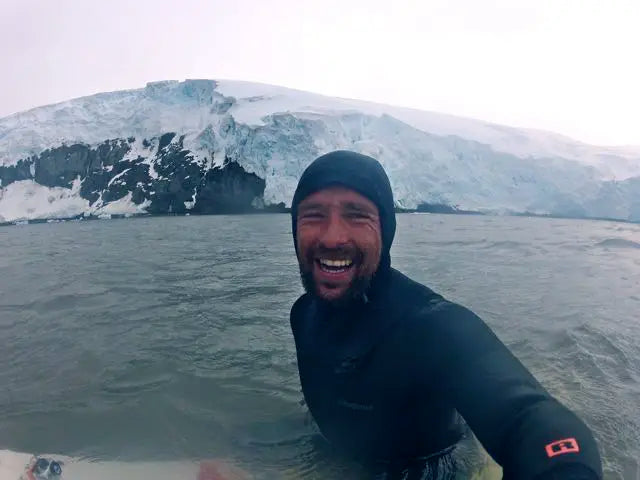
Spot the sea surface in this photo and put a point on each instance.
(169, 338)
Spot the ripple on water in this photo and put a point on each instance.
(618, 243)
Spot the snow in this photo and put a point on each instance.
(28, 200)
(523, 143)
(192, 203)
(123, 206)
(137, 150)
(187, 107)
(143, 113)
(114, 179)
(430, 157)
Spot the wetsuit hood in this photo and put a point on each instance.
(360, 173)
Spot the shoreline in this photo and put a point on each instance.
(276, 209)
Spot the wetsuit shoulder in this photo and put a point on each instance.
(412, 296)
(298, 306)
(298, 311)
(519, 423)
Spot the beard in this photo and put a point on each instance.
(356, 290)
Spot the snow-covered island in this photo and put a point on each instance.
(219, 146)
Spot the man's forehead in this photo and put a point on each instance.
(337, 195)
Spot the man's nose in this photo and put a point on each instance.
(336, 233)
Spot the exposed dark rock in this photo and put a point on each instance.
(110, 153)
(442, 208)
(139, 195)
(404, 210)
(178, 184)
(127, 178)
(94, 184)
(276, 208)
(15, 173)
(179, 177)
(59, 167)
(229, 189)
(165, 140)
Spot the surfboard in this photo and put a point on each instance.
(16, 466)
(19, 466)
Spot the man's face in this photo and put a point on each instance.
(339, 243)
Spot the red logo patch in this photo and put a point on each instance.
(560, 447)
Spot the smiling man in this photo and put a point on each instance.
(341, 270)
(391, 370)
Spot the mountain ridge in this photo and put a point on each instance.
(111, 145)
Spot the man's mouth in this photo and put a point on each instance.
(334, 266)
(332, 275)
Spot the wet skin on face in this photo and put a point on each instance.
(339, 241)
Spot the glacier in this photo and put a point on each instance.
(223, 146)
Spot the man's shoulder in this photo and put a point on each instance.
(424, 302)
(408, 291)
(299, 307)
(301, 302)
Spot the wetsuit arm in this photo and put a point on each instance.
(527, 431)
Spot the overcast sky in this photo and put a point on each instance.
(569, 66)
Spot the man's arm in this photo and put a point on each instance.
(528, 432)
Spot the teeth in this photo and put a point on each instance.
(335, 263)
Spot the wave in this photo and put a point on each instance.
(618, 243)
(504, 244)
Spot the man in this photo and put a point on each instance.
(387, 365)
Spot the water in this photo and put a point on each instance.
(169, 337)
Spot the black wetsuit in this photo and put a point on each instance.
(389, 377)
(386, 380)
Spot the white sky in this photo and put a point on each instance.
(570, 66)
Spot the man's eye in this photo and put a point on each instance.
(311, 215)
(357, 215)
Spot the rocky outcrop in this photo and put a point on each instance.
(165, 176)
(23, 170)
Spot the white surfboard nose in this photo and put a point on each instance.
(14, 465)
